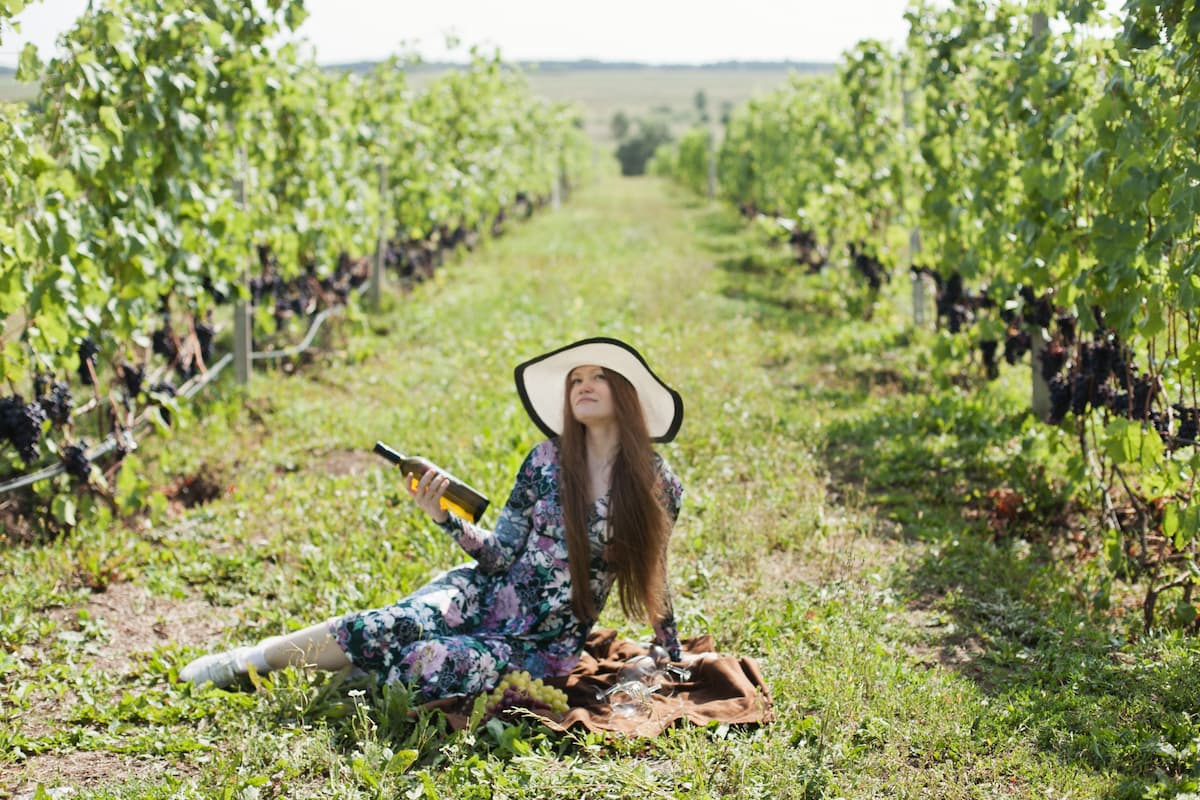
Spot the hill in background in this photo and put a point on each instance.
(11, 91)
(665, 92)
(603, 88)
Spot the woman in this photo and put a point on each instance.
(593, 505)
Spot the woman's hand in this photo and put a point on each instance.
(428, 494)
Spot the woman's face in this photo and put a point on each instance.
(590, 395)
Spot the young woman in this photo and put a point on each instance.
(592, 506)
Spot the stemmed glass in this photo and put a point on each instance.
(640, 677)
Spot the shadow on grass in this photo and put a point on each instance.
(1016, 613)
(1011, 614)
(763, 276)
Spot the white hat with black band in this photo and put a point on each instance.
(542, 380)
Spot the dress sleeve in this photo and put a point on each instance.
(495, 550)
(666, 633)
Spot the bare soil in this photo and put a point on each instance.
(136, 622)
(81, 770)
(350, 462)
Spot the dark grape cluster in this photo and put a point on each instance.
(87, 361)
(1100, 375)
(498, 224)
(417, 259)
(1053, 359)
(522, 206)
(306, 294)
(451, 239)
(1059, 387)
(57, 402)
(956, 307)
(21, 425)
(952, 303)
(1066, 328)
(1034, 311)
(166, 389)
(1017, 342)
(164, 343)
(75, 460)
(1188, 422)
(204, 338)
(869, 267)
(11, 409)
(265, 288)
(412, 259)
(219, 291)
(132, 378)
(1037, 311)
(987, 349)
(804, 246)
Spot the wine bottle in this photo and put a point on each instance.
(459, 499)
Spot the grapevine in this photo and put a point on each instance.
(158, 158)
(1049, 171)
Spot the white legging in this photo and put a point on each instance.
(310, 647)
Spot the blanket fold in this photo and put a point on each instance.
(721, 688)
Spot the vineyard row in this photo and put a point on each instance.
(1037, 162)
(174, 163)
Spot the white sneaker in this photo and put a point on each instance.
(221, 669)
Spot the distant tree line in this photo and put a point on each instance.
(639, 138)
(593, 65)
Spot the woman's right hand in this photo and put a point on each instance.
(428, 494)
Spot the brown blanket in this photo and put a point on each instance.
(721, 689)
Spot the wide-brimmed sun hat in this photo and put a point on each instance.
(541, 382)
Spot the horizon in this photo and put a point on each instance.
(582, 63)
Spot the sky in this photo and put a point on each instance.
(648, 31)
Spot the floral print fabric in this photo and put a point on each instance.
(510, 609)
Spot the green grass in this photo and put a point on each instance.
(835, 528)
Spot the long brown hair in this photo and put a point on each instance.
(639, 522)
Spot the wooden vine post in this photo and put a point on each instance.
(712, 164)
(556, 187)
(564, 180)
(1040, 399)
(243, 334)
(920, 284)
(375, 287)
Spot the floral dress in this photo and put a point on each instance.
(510, 609)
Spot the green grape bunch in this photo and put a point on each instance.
(518, 690)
